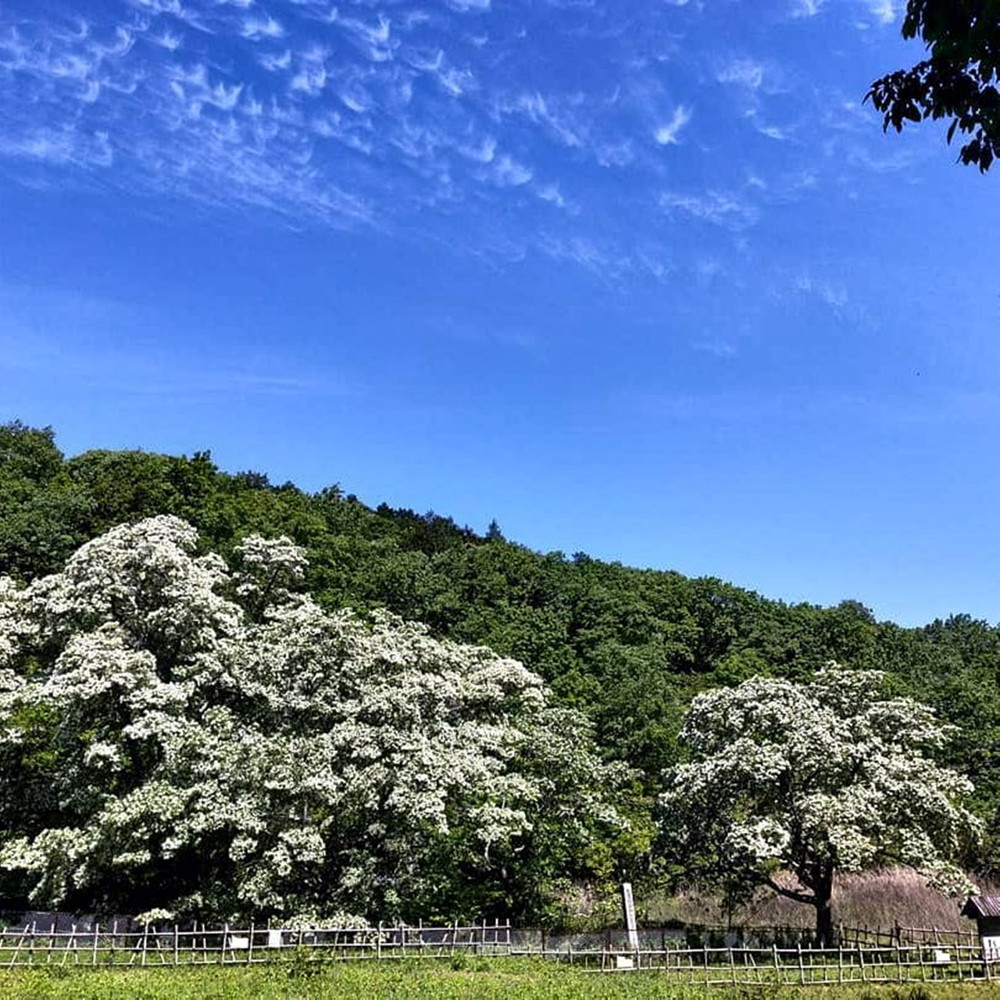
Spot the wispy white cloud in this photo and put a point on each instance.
(356, 113)
(744, 72)
(552, 194)
(67, 146)
(507, 172)
(94, 354)
(733, 211)
(834, 296)
(716, 346)
(776, 132)
(884, 11)
(256, 28)
(667, 134)
(558, 116)
(276, 61)
(807, 8)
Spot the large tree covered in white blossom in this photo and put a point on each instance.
(181, 734)
(788, 784)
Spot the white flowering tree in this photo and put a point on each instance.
(182, 736)
(788, 784)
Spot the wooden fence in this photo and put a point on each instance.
(891, 936)
(154, 945)
(803, 966)
(937, 935)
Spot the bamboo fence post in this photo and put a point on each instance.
(777, 971)
(802, 968)
(69, 944)
(732, 966)
(250, 945)
(17, 950)
(29, 936)
(93, 954)
(378, 943)
(51, 939)
(177, 945)
(225, 939)
(145, 943)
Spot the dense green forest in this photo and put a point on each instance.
(627, 647)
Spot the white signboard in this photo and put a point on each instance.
(991, 948)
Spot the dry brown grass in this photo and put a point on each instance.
(877, 899)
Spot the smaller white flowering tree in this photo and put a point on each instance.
(808, 780)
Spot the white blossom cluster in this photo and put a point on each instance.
(813, 779)
(179, 737)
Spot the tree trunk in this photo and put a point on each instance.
(823, 891)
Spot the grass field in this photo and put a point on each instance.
(507, 979)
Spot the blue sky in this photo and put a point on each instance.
(641, 278)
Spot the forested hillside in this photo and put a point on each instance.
(628, 647)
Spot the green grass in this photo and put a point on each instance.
(508, 979)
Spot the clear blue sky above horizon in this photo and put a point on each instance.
(641, 278)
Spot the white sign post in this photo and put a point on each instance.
(628, 905)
